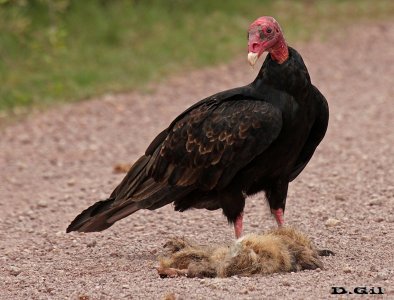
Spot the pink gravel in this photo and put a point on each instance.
(57, 163)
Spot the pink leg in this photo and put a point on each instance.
(278, 214)
(238, 225)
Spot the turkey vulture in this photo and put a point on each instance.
(254, 138)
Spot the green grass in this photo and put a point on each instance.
(68, 50)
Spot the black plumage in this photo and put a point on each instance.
(254, 138)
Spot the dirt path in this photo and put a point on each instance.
(55, 164)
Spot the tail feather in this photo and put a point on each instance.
(138, 190)
(99, 216)
(104, 214)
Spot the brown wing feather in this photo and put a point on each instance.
(212, 142)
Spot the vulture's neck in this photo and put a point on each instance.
(291, 76)
(280, 52)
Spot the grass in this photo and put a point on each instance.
(68, 50)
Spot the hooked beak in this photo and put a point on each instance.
(252, 58)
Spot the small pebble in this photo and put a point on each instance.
(366, 238)
(14, 271)
(71, 182)
(373, 268)
(42, 204)
(91, 244)
(24, 139)
(114, 254)
(245, 291)
(383, 275)
(121, 168)
(375, 202)
(331, 222)
(286, 283)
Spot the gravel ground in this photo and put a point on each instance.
(57, 163)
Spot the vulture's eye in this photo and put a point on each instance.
(269, 30)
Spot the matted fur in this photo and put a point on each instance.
(280, 250)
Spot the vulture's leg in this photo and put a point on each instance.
(276, 195)
(238, 225)
(278, 214)
(232, 201)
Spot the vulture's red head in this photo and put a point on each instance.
(265, 34)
